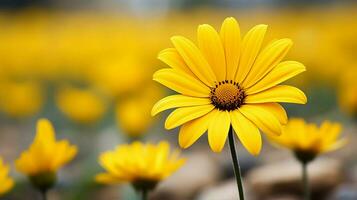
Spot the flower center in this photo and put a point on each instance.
(227, 95)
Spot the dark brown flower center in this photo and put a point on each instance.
(227, 95)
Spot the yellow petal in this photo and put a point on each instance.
(251, 44)
(64, 152)
(218, 130)
(175, 166)
(6, 185)
(107, 161)
(279, 93)
(230, 36)
(337, 145)
(194, 59)
(45, 131)
(277, 110)
(330, 132)
(247, 132)
(25, 163)
(210, 45)
(181, 83)
(262, 118)
(293, 134)
(175, 101)
(282, 72)
(163, 150)
(185, 114)
(267, 60)
(105, 178)
(192, 130)
(4, 170)
(171, 57)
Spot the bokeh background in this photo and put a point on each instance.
(88, 65)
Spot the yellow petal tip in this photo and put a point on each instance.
(184, 145)
(154, 109)
(168, 126)
(304, 99)
(255, 153)
(230, 18)
(162, 52)
(263, 26)
(216, 149)
(203, 25)
(175, 38)
(153, 112)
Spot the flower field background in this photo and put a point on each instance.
(89, 71)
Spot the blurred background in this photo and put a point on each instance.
(88, 65)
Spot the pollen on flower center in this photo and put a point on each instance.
(227, 95)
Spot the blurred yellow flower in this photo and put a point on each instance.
(348, 99)
(143, 165)
(309, 140)
(6, 182)
(21, 99)
(80, 105)
(119, 77)
(227, 82)
(131, 118)
(347, 94)
(133, 113)
(45, 156)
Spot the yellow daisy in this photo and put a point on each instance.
(227, 82)
(347, 92)
(133, 112)
(45, 156)
(83, 106)
(14, 99)
(6, 182)
(142, 165)
(309, 140)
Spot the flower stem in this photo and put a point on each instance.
(145, 194)
(305, 181)
(236, 164)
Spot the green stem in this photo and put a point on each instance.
(145, 194)
(305, 181)
(236, 164)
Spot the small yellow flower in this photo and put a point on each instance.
(21, 99)
(143, 165)
(227, 82)
(309, 140)
(45, 156)
(132, 117)
(348, 93)
(348, 99)
(6, 182)
(133, 113)
(80, 105)
(119, 77)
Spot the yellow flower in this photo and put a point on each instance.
(225, 82)
(119, 77)
(347, 94)
(80, 105)
(45, 156)
(6, 182)
(309, 140)
(348, 99)
(139, 164)
(133, 113)
(131, 118)
(21, 99)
